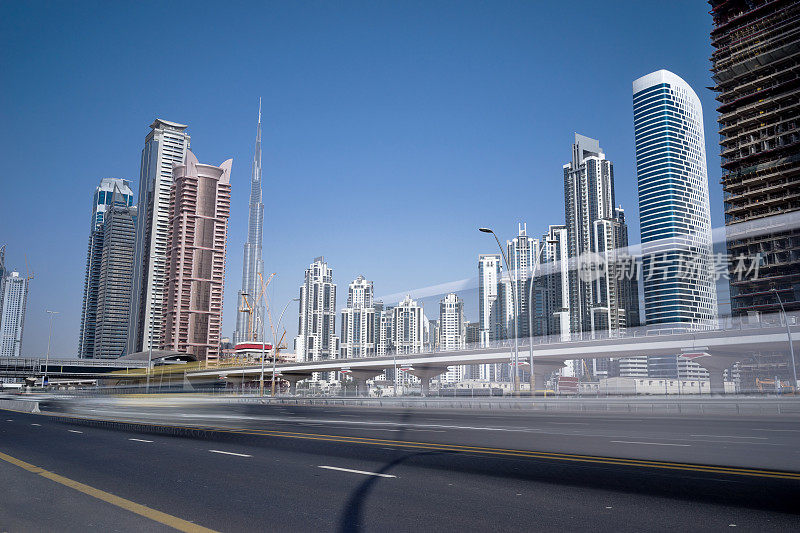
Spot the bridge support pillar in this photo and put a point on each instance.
(425, 373)
(360, 378)
(293, 379)
(716, 365)
(541, 371)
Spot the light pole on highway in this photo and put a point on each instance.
(516, 309)
(789, 334)
(530, 305)
(49, 337)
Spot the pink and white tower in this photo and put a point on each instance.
(200, 204)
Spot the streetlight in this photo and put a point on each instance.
(274, 347)
(516, 307)
(49, 336)
(789, 334)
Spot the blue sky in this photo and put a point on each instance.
(392, 130)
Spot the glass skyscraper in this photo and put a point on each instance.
(679, 289)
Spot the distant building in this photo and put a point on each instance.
(247, 322)
(679, 286)
(12, 317)
(409, 327)
(452, 326)
(596, 236)
(101, 202)
(166, 145)
(452, 333)
(115, 280)
(360, 321)
(316, 339)
(523, 254)
(554, 284)
(473, 334)
(200, 204)
(489, 316)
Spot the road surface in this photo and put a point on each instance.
(312, 468)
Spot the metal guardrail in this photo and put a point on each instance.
(710, 406)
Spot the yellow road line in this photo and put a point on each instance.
(472, 449)
(147, 512)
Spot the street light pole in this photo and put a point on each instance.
(789, 334)
(49, 336)
(516, 307)
(530, 306)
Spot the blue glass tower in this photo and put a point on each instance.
(679, 288)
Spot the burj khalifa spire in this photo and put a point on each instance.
(250, 310)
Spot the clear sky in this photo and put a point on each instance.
(392, 130)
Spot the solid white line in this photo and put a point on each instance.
(35, 424)
(355, 471)
(74, 431)
(653, 443)
(231, 453)
(140, 440)
(730, 437)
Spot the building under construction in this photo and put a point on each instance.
(755, 65)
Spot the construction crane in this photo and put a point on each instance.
(784, 387)
(248, 306)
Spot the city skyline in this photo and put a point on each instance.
(522, 162)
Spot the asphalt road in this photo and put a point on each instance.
(277, 479)
(768, 442)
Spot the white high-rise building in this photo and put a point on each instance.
(410, 327)
(452, 333)
(316, 339)
(12, 317)
(489, 269)
(595, 231)
(452, 326)
(523, 252)
(679, 288)
(165, 146)
(360, 321)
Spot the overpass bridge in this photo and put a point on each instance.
(714, 350)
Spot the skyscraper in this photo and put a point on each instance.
(410, 327)
(115, 279)
(595, 231)
(200, 204)
(754, 65)
(360, 321)
(12, 317)
(316, 331)
(489, 269)
(452, 333)
(248, 322)
(101, 202)
(452, 326)
(166, 145)
(679, 288)
(555, 305)
(522, 253)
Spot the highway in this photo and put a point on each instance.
(351, 469)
